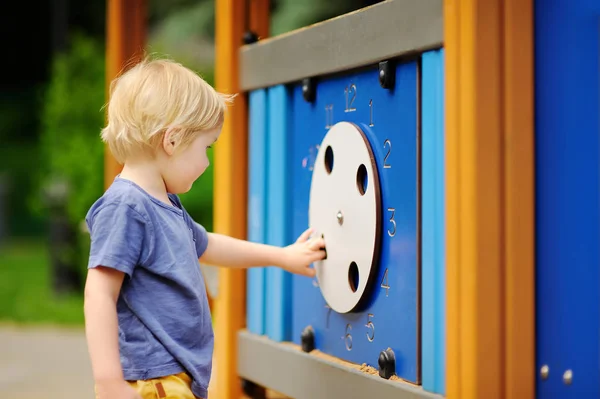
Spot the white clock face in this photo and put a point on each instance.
(345, 208)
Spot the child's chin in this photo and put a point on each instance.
(180, 189)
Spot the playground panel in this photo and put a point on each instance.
(387, 117)
(368, 108)
(567, 198)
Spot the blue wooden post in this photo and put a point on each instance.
(432, 246)
(257, 206)
(278, 293)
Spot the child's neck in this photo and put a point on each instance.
(148, 177)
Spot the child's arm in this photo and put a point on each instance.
(100, 308)
(296, 258)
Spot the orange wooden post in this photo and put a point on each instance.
(260, 18)
(489, 167)
(519, 194)
(230, 192)
(125, 43)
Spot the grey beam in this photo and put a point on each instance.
(385, 30)
(299, 375)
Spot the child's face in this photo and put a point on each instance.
(183, 168)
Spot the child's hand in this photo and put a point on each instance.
(116, 389)
(299, 255)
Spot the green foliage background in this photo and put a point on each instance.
(51, 139)
(70, 148)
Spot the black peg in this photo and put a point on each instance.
(308, 89)
(387, 363)
(250, 37)
(253, 390)
(387, 75)
(307, 338)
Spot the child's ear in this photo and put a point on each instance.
(169, 141)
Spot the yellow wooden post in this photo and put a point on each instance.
(489, 167)
(230, 192)
(125, 43)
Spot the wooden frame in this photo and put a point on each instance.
(490, 198)
(125, 43)
(231, 180)
(402, 27)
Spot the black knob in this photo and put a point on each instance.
(386, 74)
(307, 338)
(308, 89)
(250, 37)
(387, 363)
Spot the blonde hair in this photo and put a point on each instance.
(153, 96)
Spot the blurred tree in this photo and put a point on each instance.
(70, 176)
(289, 15)
(87, 17)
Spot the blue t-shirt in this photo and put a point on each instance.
(164, 319)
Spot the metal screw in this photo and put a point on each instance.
(340, 218)
(568, 377)
(544, 371)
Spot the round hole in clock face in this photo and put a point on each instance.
(362, 179)
(329, 159)
(344, 207)
(353, 276)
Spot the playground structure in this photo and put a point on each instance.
(466, 146)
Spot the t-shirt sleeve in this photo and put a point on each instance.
(200, 237)
(117, 234)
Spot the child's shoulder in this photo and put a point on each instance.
(122, 195)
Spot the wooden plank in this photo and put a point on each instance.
(259, 18)
(488, 164)
(230, 192)
(473, 168)
(257, 206)
(433, 335)
(381, 31)
(278, 318)
(519, 199)
(125, 42)
(452, 155)
(316, 375)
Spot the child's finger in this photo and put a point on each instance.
(319, 255)
(304, 236)
(317, 243)
(309, 272)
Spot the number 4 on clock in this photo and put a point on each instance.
(384, 282)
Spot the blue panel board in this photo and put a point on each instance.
(432, 210)
(257, 188)
(278, 295)
(567, 91)
(389, 120)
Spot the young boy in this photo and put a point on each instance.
(148, 324)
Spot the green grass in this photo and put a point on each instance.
(26, 295)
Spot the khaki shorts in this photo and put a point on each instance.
(176, 386)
